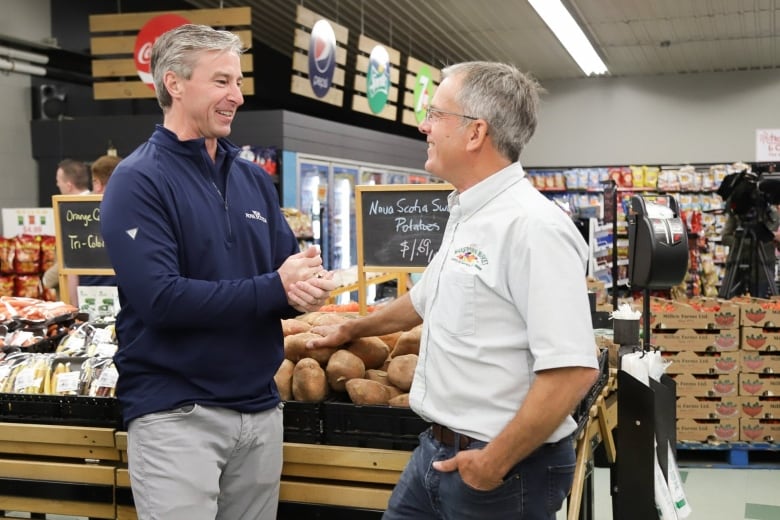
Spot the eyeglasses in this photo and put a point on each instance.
(434, 114)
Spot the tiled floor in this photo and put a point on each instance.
(714, 494)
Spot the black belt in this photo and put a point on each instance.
(448, 437)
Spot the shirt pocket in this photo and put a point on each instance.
(455, 304)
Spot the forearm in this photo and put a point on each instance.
(553, 396)
(398, 315)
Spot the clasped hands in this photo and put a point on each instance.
(306, 283)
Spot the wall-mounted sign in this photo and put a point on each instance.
(319, 57)
(768, 145)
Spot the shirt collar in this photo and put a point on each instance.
(485, 191)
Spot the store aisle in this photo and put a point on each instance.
(714, 494)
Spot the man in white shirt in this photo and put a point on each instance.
(507, 348)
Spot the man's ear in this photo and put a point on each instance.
(172, 83)
(478, 132)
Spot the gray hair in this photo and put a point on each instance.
(178, 50)
(501, 95)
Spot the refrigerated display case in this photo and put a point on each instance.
(331, 182)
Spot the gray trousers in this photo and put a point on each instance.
(203, 463)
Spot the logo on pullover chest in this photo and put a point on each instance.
(255, 215)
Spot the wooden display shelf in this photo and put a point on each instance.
(66, 470)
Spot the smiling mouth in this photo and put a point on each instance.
(225, 113)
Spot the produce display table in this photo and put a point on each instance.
(82, 471)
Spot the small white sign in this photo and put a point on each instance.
(768, 145)
(98, 301)
(28, 221)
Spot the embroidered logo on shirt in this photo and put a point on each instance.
(132, 232)
(471, 256)
(255, 215)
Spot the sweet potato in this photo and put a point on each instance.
(342, 366)
(295, 348)
(394, 391)
(377, 375)
(401, 401)
(391, 339)
(372, 350)
(309, 382)
(294, 326)
(283, 379)
(408, 342)
(329, 318)
(400, 371)
(364, 391)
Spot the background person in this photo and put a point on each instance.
(72, 178)
(207, 267)
(507, 348)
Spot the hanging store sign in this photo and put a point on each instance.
(153, 29)
(768, 145)
(121, 45)
(421, 82)
(376, 79)
(322, 58)
(319, 58)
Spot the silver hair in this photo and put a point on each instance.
(501, 95)
(178, 50)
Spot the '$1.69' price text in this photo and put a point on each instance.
(410, 250)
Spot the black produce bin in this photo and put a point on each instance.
(302, 422)
(75, 410)
(371, 426)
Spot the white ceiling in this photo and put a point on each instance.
(633, 37)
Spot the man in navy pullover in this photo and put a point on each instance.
(206, 267)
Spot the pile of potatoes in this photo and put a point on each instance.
(373, 370)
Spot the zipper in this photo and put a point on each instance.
(223, 198)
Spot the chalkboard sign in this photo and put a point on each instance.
(400, 225)
(80, 247)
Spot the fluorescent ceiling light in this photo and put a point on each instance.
(561, 23)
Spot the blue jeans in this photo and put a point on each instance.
(532, 490)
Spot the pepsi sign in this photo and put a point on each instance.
(322, 57)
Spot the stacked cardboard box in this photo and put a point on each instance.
(725, 360)
(759, 378)
(701, 340)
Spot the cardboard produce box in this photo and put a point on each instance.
(759, 362)
(703, 313)
(702, 362)
(720, 385)
(703, 430)
(759, 384)
(758, 312)
(760, 339)
(759, 430)
(759, 407)
(692, 340)
(690, 407)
